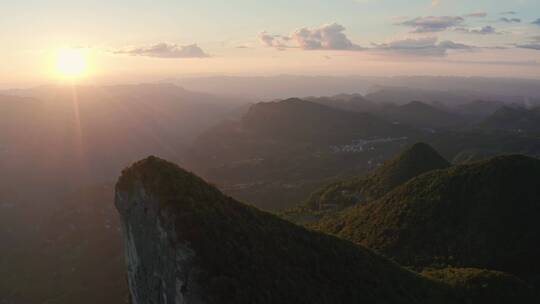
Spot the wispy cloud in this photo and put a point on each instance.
(531, 46)
(325, 37)
(166, 50)
(508, 13)
(432, 24)
(477, 15)
(427, 46)
(510, 20)
(527, 63)
(277, 41)
(486, 30)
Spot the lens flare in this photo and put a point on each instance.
(71, 63)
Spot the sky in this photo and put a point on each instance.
(142, 40)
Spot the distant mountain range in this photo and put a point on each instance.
(419, 114)
(452, 89)
(58, 137)
(291, 146)
(300, 120)
(513, 119)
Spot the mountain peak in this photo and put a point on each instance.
(185, 242)
(416, 160)
(422, 150)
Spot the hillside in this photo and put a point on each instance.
(415, 160)
(180, 229)
(421, 114)
(354, 102)
(476, 215)
(279, 152)
(60, 137)
(478, 109)
(296, 119)
(513, 119)
(484, 286)
(71, 253)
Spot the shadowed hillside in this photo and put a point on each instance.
(415, 160)
(513, 119)
(478, 215)
(184, 240)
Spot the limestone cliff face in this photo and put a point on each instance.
(159, 268)
(186, 242)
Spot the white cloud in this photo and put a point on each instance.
(325, 37)
(165, 50)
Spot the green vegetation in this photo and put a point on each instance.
(415, 160)
(249, 256)
(279, 152)
(484, 286)
(478, 215)
(418, 159)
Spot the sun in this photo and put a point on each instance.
(71, 63)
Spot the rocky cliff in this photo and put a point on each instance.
(186, 242)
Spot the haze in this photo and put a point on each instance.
(135, 41)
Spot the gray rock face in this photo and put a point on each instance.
(159, 268)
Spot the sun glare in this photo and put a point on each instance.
(71, 63)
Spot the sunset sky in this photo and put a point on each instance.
(124, 41)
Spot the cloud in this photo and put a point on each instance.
(477, 15)
(427, 46)
(432, 24)
(486, 30)
(510, 20)
(537, 22)
(508, 13)
(326, 37)
(277, 41)
(534, 44)
(531, 46)
(166, 50)
(527, 63)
